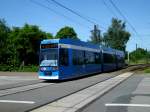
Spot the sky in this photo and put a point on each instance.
(19, 12)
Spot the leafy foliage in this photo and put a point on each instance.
(66, 32)
(117, 36)
(20, 46)
(4, 34)
(139, 54)
(147, 70)
(49, 35)
(27, 42)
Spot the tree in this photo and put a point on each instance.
(117, 36)
(27, 43)
(96, 37)
(139, 54)
(66, 32)
(20, 45)
(49, 35)
(4, 34)
(11, 47)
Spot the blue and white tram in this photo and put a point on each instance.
(109, 59)
(67, 58)
(120, 59)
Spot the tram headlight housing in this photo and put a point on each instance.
(55, 68)
(43, 68)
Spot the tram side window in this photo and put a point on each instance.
(109, 58)
(113, 58)
(106, 58)
(120, 59)
(89, 57)
(85, 57)
(97, 58)
(63, 57)
(77, 57)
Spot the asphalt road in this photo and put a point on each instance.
(36, 97)
(25, 97)
(14, 79)
(133, 95)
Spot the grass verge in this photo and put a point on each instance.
(147, 70)
(30, 68)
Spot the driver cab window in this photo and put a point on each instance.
(63, 57)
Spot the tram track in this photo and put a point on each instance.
(19, 84)
(32, 82)
(24, 88)
(43, 93)
(41, 83)
(31, 85)
(128, 68)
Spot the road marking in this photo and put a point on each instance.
(126, 105)
(23, 88)
(14, 101)
(24, 78)
(80, 99)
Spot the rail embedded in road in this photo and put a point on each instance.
(23, 88)
(76, 101)
(46, 94)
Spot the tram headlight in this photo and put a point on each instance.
(43, 68)
(55, 68)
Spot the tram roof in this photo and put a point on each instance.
(82, 44)
(71, 42)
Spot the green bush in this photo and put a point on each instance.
(30, 68)
(147, 70)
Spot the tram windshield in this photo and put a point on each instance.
(49, 57)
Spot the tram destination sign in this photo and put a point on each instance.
(45, 46)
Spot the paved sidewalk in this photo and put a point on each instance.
(8, 79)
(76, 101)
(18, 73)
(141, 97)
(133, 95)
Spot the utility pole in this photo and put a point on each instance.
(146, 56)
(95, 35)
(128, 57)
(136, 53)
(148, 53)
